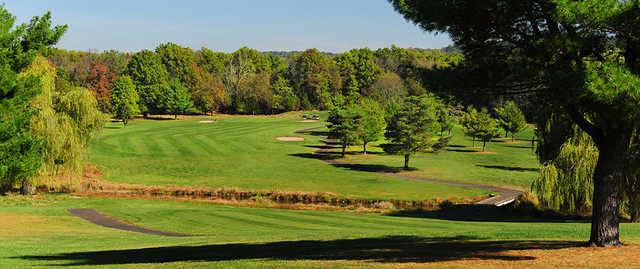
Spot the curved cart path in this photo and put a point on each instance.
(505, 195)
(98, 218)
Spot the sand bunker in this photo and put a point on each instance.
(207, 121)
(289, 138)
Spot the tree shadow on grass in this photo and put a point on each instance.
(489, 213)
(394, 249)
(509, 168)
(377, 168)
(461, 150)
(517, 146)
(324, 157)
(332, 158)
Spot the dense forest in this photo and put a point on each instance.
(178, 80)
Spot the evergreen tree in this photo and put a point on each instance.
(413, 127)
(344, 124)
(511, 119)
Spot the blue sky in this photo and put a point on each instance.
(225, 25)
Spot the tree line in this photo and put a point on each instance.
(418, 123)
(172, 79)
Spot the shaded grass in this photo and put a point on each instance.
(258, 237)
(509, 164)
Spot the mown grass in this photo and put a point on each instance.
(44, 234)
(242, 152)
(505, 163)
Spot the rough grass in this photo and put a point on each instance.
(242, 152)
(258, 238)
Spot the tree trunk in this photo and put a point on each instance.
(344, 147)
(473, 141)
(484, 144)
(635, 213)
(364, 148)
(513, 138)
(26, 188)
(406, 162)
(175, 117)
(608, 177)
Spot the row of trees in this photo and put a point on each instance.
(481, 125)
(418, 123)
(412, 126)
(247, 81)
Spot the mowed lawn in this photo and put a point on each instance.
(40, 233)
(505, 163)
(242, 152)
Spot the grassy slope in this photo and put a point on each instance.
(241, 152)
(513, 164)
(42, 233)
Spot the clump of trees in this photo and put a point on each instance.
(46, 122)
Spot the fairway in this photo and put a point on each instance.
(44, 234)
(506, 163)
(242, 152)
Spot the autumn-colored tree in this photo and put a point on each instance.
(100, 81)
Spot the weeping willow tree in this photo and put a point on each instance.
(565, 182)
(67, 117)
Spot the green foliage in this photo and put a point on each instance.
(315, 78)
(213, 62)
(179, 62)
(361, 64)
(412, 128)
(176, 100)
(124, 99)
(345, 125)
(208, 91)
(566, 183)
(247, 81)
(486, 127)
(388, 89)
(67, 119)
(150, 98)
(284, 99)
(511, 118)
(581, 57)
(22, 147)
(372, 122)
(446, 119)
(146, 68)
(480, 124)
